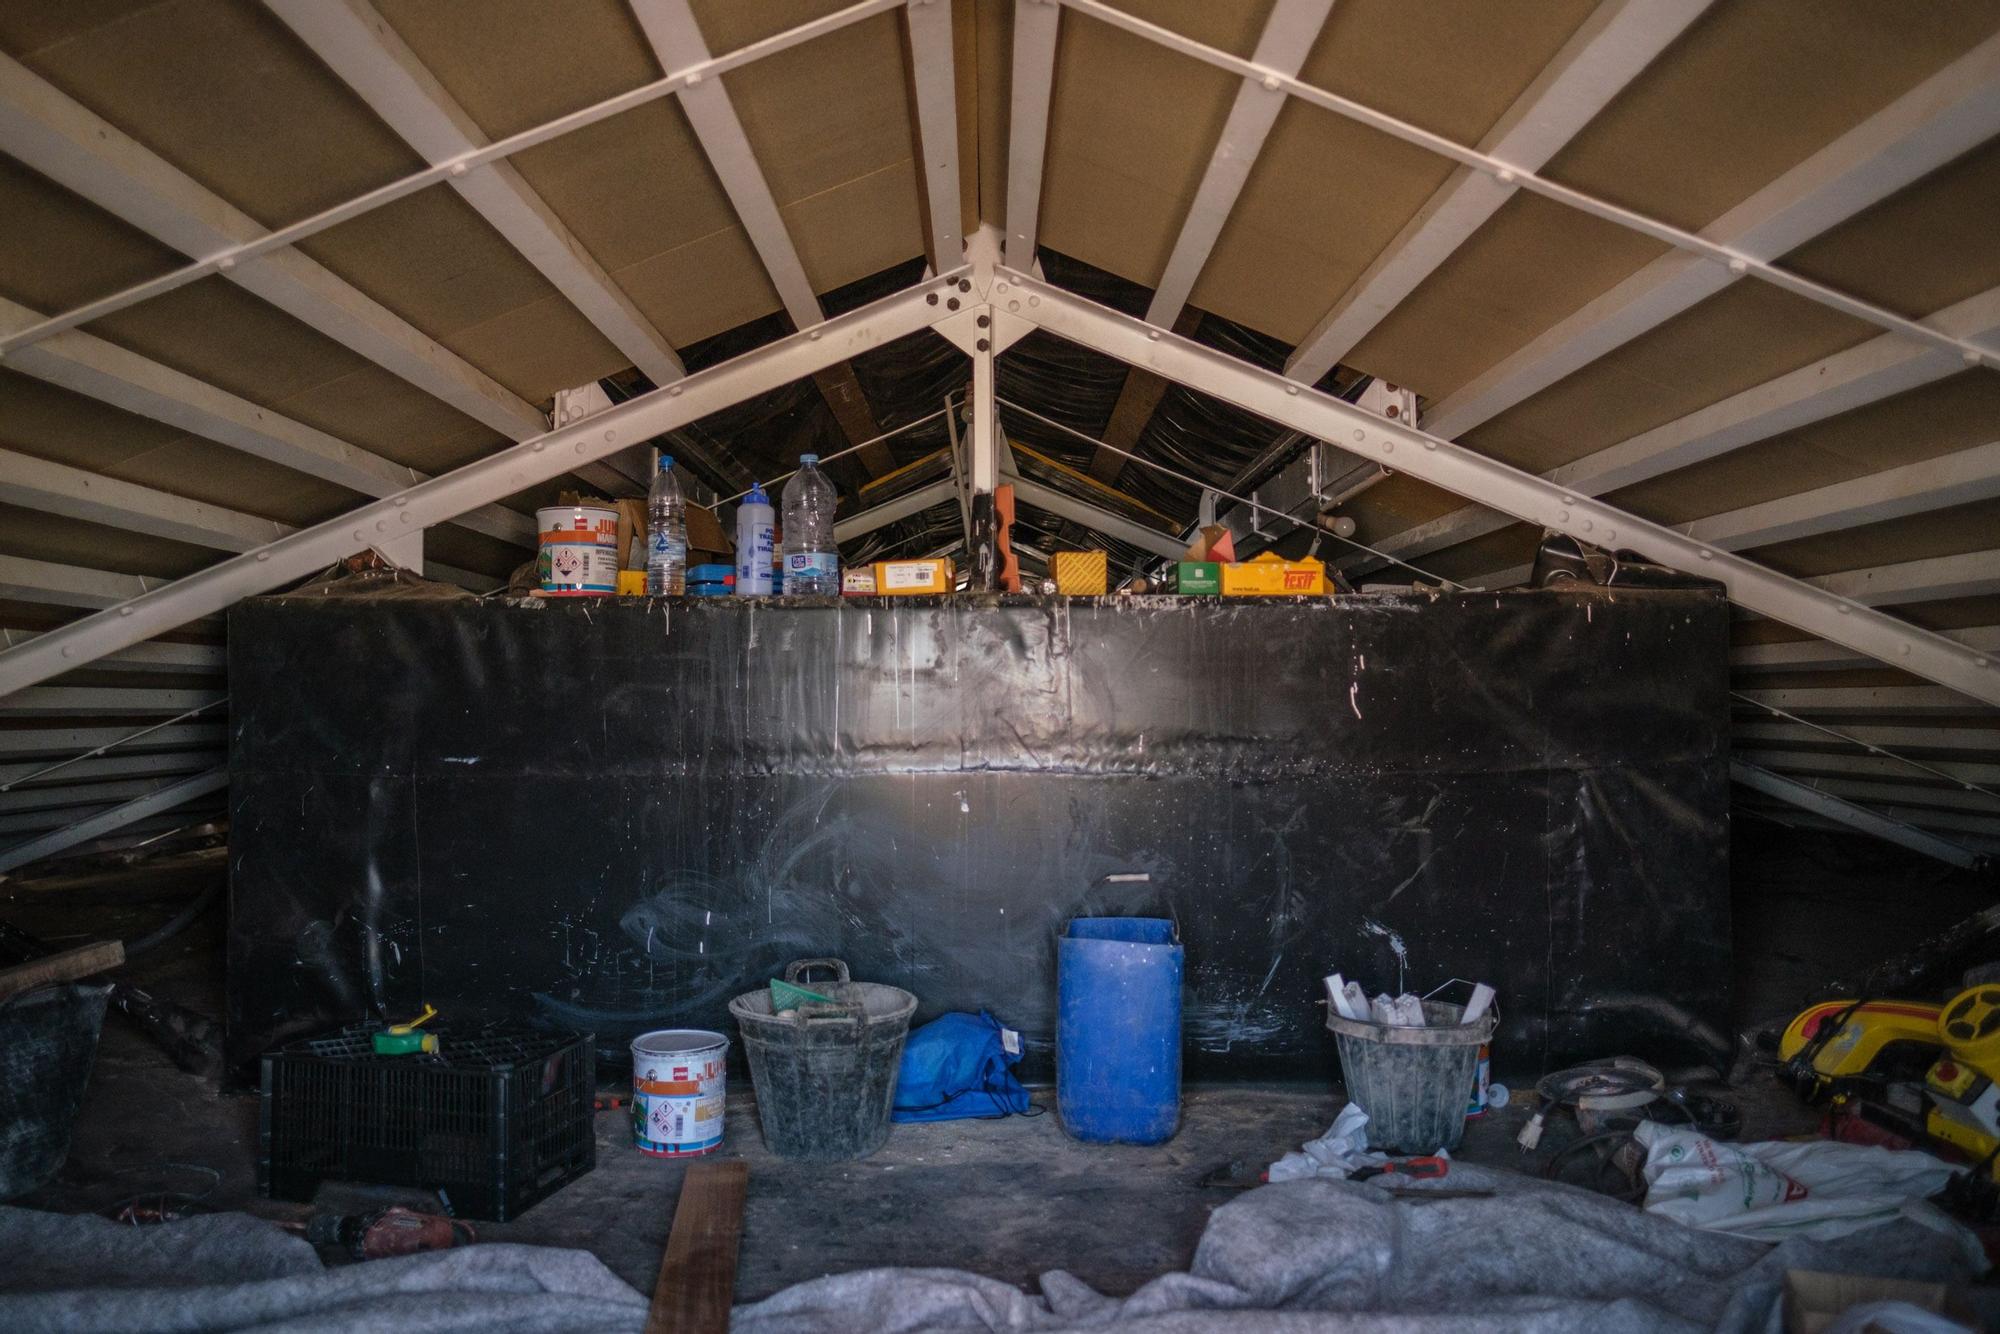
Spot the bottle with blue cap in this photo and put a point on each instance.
(812, 562)
(666, 533)
(756, 532)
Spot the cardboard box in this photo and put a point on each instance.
(1081, 574)
(706, 539)
(858, 583)
(898, 577)
(1815, 1299)
(1198, 576)
(1269, 576)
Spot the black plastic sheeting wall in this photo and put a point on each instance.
(615, 815)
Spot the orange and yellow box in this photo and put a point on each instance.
(1269, 575)
(895, 578)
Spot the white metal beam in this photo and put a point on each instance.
(66, 796)
(56, 488)
(1930, 796)
(1953, 823)
(87, 365)
(83, 831)
(504, 473)
(360, 47)
(1914, 700)
(159, 658)
(55, 743)
(677, 43)
(1915, 488)
(112, 766)
(1799, 794)
(1901, 737)
(1816, 655)
(1284, 44)
(1617, 41)
(1947, 115)
(1474, 475)
(81, 151)
(110, 701)
(890, 511)
(1065, 506)
(268, 243)
(1970, 574)
(934, 77)
(1950, 113)
(1032, 84)
(1863, 766)
(23, 579)
(1883, 366)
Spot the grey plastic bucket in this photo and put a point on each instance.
(825, 1075)
(1412, 1082)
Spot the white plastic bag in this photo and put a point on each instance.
(1773, 1189)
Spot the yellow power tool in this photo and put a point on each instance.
(1934, 1067)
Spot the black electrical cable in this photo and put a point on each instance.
(176, 924)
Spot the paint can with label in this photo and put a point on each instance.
(678, 1077)
(1481, 1078)
(578, 550)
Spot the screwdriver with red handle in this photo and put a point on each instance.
(1428, 1168)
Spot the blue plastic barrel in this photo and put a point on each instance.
(1118, 1029)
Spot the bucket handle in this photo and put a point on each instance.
(797, 969)
(815, 1013)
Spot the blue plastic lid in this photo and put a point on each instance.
(666, 462)
(808, 458)
(757, 496)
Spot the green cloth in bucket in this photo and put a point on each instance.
(789, 996)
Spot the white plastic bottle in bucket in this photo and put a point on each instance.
(678, 1085)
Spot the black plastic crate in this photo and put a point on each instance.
(495, 1120)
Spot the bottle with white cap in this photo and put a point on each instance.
(756, 530)
(812, 561)
(666, 533)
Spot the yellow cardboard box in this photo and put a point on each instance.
(896, 577)
(1081, 574)
(1269, 575)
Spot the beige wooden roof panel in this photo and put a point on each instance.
(1929, 245)
(1753, 89)
(58, 251)
(1131, 126)
(270, 129)
(1962, 412)
(61, 541)
(1744, 335)
(1947, 532)
(1328, 194)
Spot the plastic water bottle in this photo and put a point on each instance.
(666, 533)
(756, 531)
(812, 562)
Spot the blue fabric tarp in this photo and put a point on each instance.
(957, 1066)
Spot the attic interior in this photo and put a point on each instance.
(1001, 664)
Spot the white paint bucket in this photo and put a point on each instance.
(579, 549)
(678, 1076)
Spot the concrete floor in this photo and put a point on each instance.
(1008, 1199)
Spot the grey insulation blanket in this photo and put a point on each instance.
(235, 1272)
(1302, 1255)
(1319, 1255)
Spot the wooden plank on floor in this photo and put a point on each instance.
(697, 1282)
